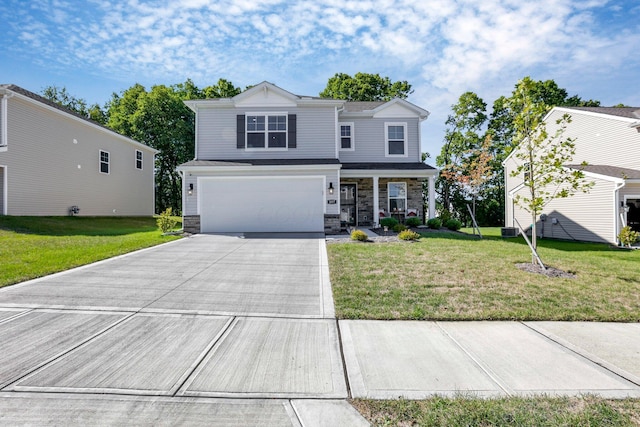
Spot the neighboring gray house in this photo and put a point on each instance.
(269, 160)
(608, 139)
(52, 159)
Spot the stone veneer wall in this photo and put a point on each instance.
(331, 224)
(191, 224)
(365, 196)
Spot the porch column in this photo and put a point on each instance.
(432, 197)
(376, 203)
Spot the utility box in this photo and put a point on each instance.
(509, 232)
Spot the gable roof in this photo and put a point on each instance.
(34, 97)
(610, 171)
(627, 112)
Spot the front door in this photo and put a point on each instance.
(348, 205)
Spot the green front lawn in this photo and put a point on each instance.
(451, 276)
(32, 247)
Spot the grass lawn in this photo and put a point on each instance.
(450, 276)
(32, 247)
(534, 412)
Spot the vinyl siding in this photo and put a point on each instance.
(216, 130)
(601, 140)
(370, 141)
(191, 202)
(49, 173)
(584, 217)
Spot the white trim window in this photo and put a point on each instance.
(266, 131)
(347, 138)
(104, 162)
(395, 135)
(139, 161)
(397, 193)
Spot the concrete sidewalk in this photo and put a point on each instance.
(417, 360)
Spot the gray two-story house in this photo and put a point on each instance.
(271, 161)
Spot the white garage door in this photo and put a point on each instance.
(261, 204)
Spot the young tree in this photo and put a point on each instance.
(542, 157)
(365, 87)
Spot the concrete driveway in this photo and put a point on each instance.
(203, 330)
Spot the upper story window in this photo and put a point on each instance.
(396, 139)
(527, 171)
(138, 159)
(104, 161)
(267, 131)
(346, 137)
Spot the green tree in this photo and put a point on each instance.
(365, 87)
(462, 137)
(62, 97)
(541, 156)
(160, 119)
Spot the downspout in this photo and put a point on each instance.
(4, 138)
(616, 209)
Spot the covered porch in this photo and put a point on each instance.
(369, 192)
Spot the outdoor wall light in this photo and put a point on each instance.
(331, 188)
(190, 192)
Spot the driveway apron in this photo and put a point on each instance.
(198, 331)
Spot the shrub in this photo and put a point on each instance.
(434, 223)
(398, 228)
(627, 236)
(445, 216)
(359, 235)
(165, 221)
(413, 221)
(453, 224)
(408, 235)
(389, 222)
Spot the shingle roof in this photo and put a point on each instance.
(360, 106)
(627, 112)
(606, 170)
(388, 166)
(262, 162)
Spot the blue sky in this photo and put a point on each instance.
(442, 47)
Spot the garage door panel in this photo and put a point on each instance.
(262, 204)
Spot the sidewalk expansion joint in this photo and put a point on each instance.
(344, 362)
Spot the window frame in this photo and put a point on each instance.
(101, 162)
(267, 131)
(389, 184)
(387, 140)
(351, 136)
(140, 160)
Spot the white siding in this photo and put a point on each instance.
(601, 140)
(216, 130)
(49, 172)
(370, 141)
(585, 217)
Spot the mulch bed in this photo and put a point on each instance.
(549, 272)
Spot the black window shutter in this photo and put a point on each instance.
(240, 131)
(291, 130)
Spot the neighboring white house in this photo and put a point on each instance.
(608, 139)
(52, 160)
(269, 160)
